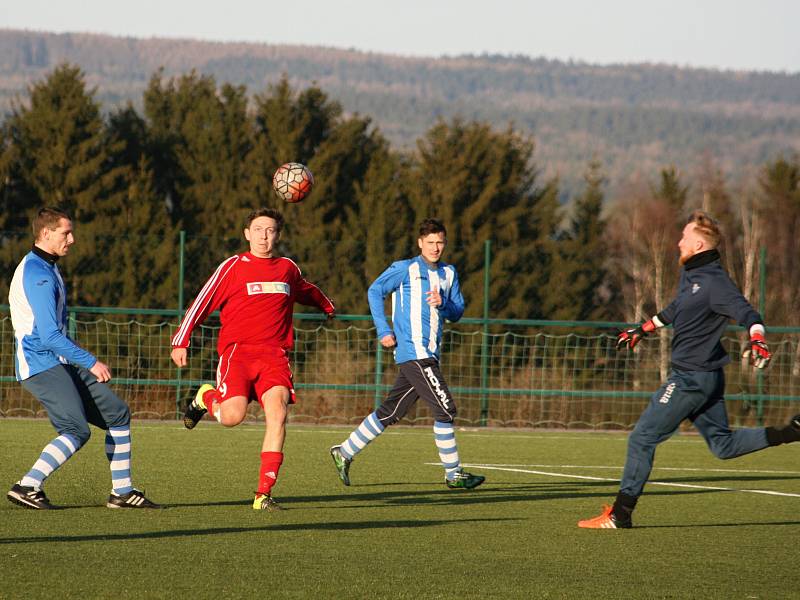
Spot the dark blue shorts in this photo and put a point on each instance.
(74, 399)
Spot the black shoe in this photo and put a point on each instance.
(196, 409)
(464, 481)
(133, 499)
(795, 423)
(29, 497)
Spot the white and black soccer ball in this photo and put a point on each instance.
(292, 182)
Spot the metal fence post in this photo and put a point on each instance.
(762, 303)
(72, 326)
(378, 375)
(181, 263)
(487, 260)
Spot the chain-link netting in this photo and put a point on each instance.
(518, 377)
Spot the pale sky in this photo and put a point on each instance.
(726, 34)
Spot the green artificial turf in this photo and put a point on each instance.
(398, 532)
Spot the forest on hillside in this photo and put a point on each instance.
(194, 155)
(634, 118)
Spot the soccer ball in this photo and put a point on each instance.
(292, 182)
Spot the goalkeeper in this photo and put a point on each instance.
(707, 298)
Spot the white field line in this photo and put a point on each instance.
(663, 483)
(616, 468)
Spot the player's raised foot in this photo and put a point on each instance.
(196, 408)
(133, 499)
(464, 481)
(606, 520)
(265, 502)
(341, 463)
(29, 497)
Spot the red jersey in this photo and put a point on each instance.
(255, 297)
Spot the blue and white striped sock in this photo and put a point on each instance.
(55, 454)
(370, 428)
(118, 451)
(445, 437)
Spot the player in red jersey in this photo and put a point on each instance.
(255, 292)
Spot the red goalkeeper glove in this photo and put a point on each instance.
(759, 351)
(631, 337)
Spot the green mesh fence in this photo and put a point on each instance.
(519, 375)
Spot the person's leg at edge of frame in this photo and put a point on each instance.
(392, 409)
(668, 407)
(725, 443)
(432, 388)
(55, 391)
(343, 454)
(445, 437)
(107, 411)
(366, 432)
(275, 402)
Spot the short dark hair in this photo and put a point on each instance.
(265, 212)
(429, 226)
(48, 218)
(706, 226)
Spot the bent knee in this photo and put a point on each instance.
(231, 420)
(232, 417)
(79, 433)
(724, 452)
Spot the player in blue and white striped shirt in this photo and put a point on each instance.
(425, 292)
(68, 380)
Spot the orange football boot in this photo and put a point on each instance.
(605, 520)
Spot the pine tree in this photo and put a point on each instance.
(15, 233)
(146, 255)
(381, 226)
(482, 184)
(324, 230)
(290, 126)
(61, 157)
(580, 280)
(200, 142)
(780, 206)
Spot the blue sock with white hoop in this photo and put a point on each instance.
(55, 454)
(370, 428)
(118, 451)
(445, 437)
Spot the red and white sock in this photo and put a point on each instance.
(211, 397)
(270, 465)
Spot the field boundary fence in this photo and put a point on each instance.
(512, 373)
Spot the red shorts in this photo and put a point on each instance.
(250, 371)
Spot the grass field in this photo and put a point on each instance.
(397, 532)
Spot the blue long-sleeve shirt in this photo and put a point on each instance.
(37, 297)
(417, 326)
(707, 299)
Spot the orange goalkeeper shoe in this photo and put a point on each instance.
(605, 520)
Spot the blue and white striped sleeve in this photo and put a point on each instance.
(386, 282)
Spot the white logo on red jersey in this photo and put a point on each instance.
(267, 287)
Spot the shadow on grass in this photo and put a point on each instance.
(509, 492)
(329, 526)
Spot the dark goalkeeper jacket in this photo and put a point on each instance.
(707, 299)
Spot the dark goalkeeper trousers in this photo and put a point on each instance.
(694, 395)
(418, 379)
